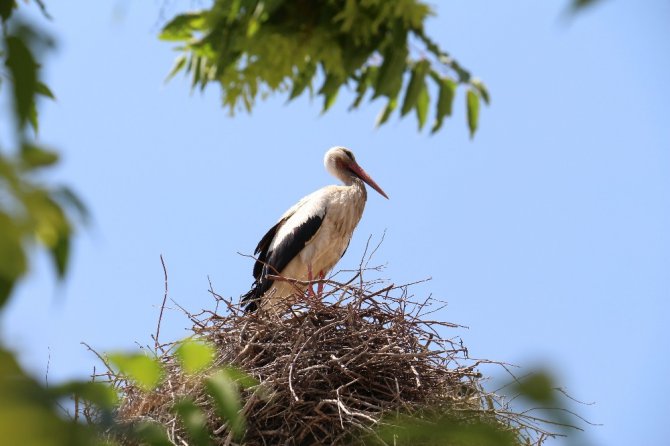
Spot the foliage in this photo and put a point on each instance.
(145, 371)
(30, 212)
(256, 47)
(194, 356)
(579, 4)
(536, 390)
(142, 378)
(33, 213)
(443, 428)
(25, 404)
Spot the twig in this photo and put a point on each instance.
(76, 407)
(160, 316)
(103, 360)
(46, 374)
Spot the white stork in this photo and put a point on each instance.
(310, 238)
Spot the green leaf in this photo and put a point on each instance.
(60, 253)
(579, 4)
(347, 16)
(422, 105)
(243, 379)
(194, 421)
(473, 111)
(6, 286)
(6, 7)
(44, 90)
(43, 8)
(389, 80)
(32, 117)
(194, 356)
(23, 68)
(386, 111)
(67, 197)
(354, 57)
(416, 84)
(224, 391)
(446, 429)
(252, 27)
(329, 90)
(367, 79)
(481, 88)
(33, 156)
(146, 372)
(152, 434)
(328, 101)
(179, 64)
(50, 222)
(234, 8)
(13, 262)
(538, 387)
(445, 100)
(197, 66)
(302, 80)
(182, 26)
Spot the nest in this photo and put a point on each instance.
(330, 372)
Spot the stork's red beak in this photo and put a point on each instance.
(358, 170)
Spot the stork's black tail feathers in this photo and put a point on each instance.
(251, 299)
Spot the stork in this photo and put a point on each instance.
(311, 237)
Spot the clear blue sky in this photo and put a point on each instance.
(547, 234)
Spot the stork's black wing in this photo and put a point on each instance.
(263, 247)
(273, 261)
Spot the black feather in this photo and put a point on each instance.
(274, 262)
(249, 299)
(262, 249)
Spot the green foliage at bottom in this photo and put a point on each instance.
(29, 414)
(446, 429)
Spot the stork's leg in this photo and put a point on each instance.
(310, 277)
(319, 286)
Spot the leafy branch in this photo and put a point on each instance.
(254, 48)
(30, 211)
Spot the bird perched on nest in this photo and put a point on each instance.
(310, 238)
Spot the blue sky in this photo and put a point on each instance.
(547, 234)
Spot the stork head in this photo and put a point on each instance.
(341, 163)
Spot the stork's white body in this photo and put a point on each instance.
(342, 208)
(311, 237)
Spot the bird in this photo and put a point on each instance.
(311, 237)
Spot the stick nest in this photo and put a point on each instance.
(330, 372)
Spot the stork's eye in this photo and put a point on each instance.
(349, 154)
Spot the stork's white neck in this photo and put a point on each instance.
(358, 185)
(345, 176)
(337, 171)
(349, 179)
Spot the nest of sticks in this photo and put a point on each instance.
(330, 372)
